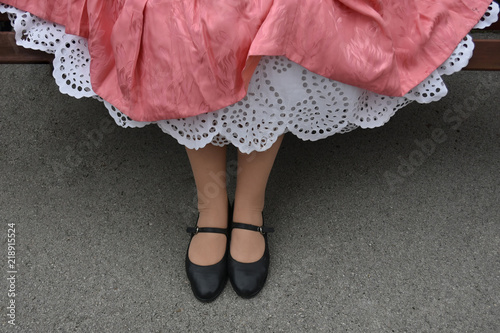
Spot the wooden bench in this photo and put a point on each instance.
(10, 53)
(486, 52)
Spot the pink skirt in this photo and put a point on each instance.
(244, 72)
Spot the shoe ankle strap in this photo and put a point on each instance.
(195, 230)
(262, 230)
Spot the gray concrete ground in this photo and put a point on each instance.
(395, 229)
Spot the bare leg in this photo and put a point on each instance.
(209, 169)
(253, 173)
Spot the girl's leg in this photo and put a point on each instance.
(253, 173)
(209, 169)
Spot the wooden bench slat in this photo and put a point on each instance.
(10, 53)
(486, 55)
(494, 26)
(4, 17)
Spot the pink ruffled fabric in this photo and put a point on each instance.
(166, 59)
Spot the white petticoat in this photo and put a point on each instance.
(282, 95)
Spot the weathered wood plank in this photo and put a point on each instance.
(10, 53)
(486, 55)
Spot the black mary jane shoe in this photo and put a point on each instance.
(207, 282)
(248, 279)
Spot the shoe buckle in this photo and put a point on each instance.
(259, 229)
(196, 231)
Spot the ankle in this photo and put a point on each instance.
(214, 214)
(249, 216)
(213, 218)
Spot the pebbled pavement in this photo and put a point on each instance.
(394, 229)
